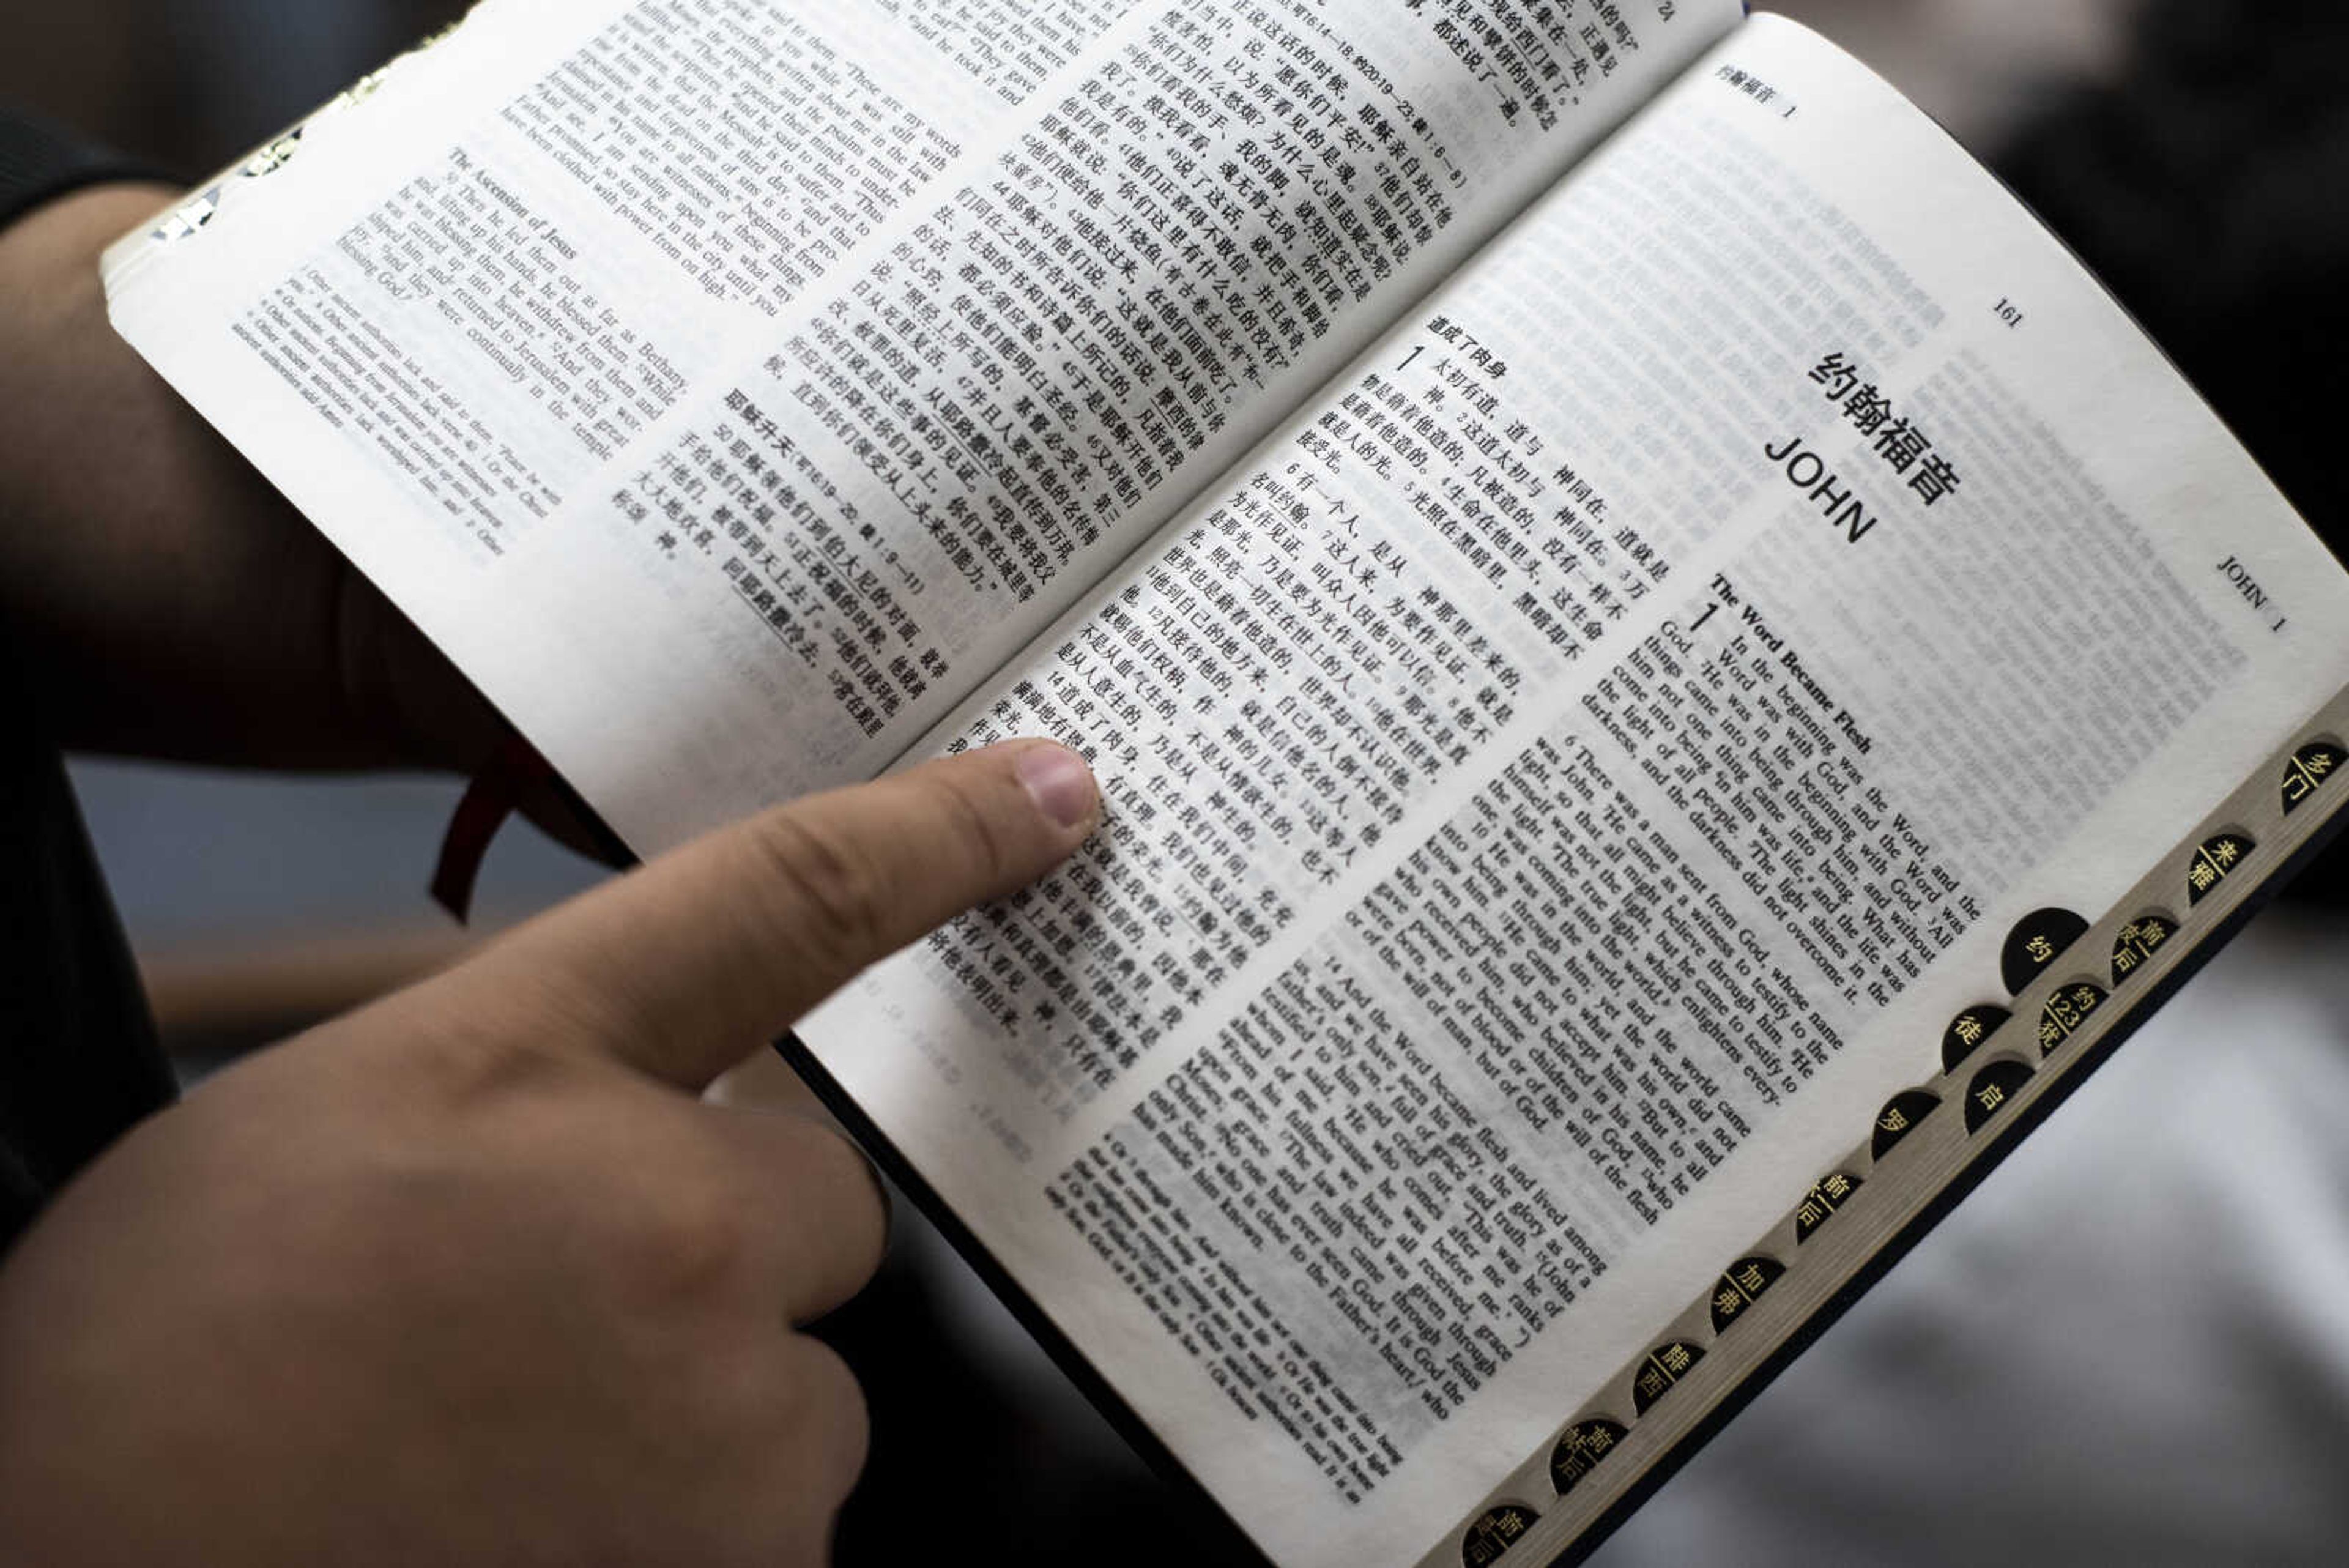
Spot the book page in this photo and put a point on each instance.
(729, 385)
(1566, 782)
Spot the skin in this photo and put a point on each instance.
(172, 604)
(188, 610)
(472, 1275)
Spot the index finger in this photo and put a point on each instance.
(684, 967)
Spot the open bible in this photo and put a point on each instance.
(1667, 671)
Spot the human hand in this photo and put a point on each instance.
(471, 1276)
(175, 604)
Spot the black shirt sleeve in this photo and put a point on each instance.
(41, 161)
(79, 1059)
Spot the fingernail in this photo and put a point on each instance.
(1060, 784)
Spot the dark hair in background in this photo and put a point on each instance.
(2210, 187)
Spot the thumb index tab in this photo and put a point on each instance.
(687, 966)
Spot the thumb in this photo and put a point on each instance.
(687, 966)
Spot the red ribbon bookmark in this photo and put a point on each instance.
(493, 797)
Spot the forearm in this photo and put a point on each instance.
(170, 602)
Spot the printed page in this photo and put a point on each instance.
(1565, 783)
(729, 385)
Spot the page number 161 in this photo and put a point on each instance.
(2010, 312)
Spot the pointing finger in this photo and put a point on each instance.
(686, 966)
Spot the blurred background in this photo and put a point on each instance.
(2197, 156)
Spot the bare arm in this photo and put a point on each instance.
(172, 604)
